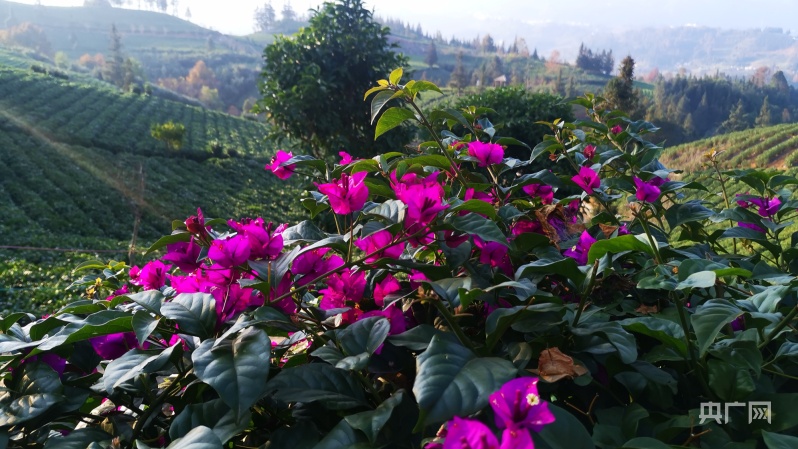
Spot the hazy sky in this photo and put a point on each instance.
(466, 18)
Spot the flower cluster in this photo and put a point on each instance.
(518, 409)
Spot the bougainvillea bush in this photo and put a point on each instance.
(449, 297)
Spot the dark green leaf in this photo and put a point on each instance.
(743, 233)
(701, 279)
(419, 337)
(151, 300)
(767, 301)
(305, 231)
(342, 436)
(392, 118)
(364, 336)
(617, 339)
(134, 363)
(710, 318)
(337, 389)
(101, 323)
(617, 245)
(236, 368)
(449, 289)
(480, 226)
(667, 332)
(478, 206)
(195, 313)
(729, 382)
(564, 266)
(693, 210)
(214, 414)
(371, 422)
(453, 381)
(779, 441)
(143, 325)
(566, 432)
(645, 443)
(198, 438)
(8, 320)
(78, 439)
(391, 210)
(175, 237)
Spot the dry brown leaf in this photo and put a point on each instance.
(556, 225)
(607, 230)
(553, 365)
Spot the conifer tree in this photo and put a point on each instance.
(431, 57)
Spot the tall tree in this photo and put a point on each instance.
(459, 77)
(288, 13)
(313, 82)
(431, 57)
(265, 17)
(736, 120)
(114, 71)
(765, 117)
(620, 91)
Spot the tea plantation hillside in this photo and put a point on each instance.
(774, 147)
(79, 164)
(101, 116)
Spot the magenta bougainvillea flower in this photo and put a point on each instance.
(579, 251)
(347, 194)
(346, 158)
(767, 207)
(183, 254)
(113, 346)
(282, 172)
(394, 315)
(542, 191)
(589, 151)
(472, 194)
(616, 129)
(265, 240)
(152, 276)
(389, 285)
(377, 240)
(587, 179)
(494, 254)
(230, 252)
(424, 200)
(517, 404)
(469, 434)
(195, 224)
(486, 153)
(646, 190)
(312, 264)
(526, 226)
(343, 287)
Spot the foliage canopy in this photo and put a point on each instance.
(312, 83)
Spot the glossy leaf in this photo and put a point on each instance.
(237, 368)
(335, 388)
(453, 381)
(480, 226)
(710, 318)
(392, 118)
(195, 313)
(214, 414)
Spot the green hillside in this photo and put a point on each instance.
(99, 115)
(73, 155)
(79, 30)
(774, 147)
